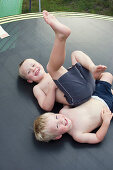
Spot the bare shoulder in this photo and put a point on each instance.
(35, 88)
(64, 110)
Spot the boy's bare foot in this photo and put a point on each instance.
(97, 71)
(59, 29)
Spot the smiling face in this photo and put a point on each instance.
(31, 70)
(58, 124)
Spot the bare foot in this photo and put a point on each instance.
(59, 28)
(97, 71)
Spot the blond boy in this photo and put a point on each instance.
(46, 92)
(79, 122)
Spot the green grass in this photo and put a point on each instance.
(103, 7)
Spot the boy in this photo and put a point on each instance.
(79, 122)
(46, 92)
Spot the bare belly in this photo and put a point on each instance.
(87, 116)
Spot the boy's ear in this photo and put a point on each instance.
(29, 81)
(58, 137)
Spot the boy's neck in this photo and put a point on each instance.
(44, 76)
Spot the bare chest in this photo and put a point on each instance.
(46, 83)
(87, 117)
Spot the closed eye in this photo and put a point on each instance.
(28, 72)
(33, 65)
(57, 124)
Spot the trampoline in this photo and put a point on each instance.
(31, 37)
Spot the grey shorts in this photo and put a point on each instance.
(77, 85)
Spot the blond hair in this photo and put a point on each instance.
(40, 128)
(20, 74)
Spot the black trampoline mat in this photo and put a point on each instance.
(32, 38)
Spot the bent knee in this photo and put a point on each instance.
(76, 53)
(106, 76)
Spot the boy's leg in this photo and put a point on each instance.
(112, 91)
(85, 61)
(107, 77)
(57, 55)
(103, 88)
(112, 101)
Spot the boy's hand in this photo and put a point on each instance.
(106, 115)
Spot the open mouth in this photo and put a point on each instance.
(37, 71)
(66, 122)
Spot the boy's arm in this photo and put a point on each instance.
(106, 116)
(93, 138)
(45, 100)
